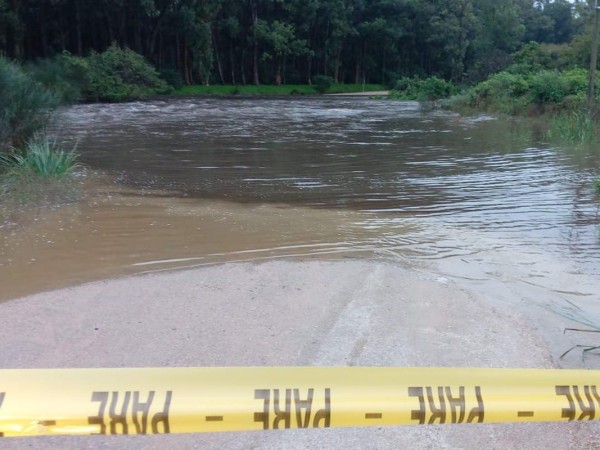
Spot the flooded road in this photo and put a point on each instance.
(200, 181)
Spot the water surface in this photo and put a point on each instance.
(200, 181)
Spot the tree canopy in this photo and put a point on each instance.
(291, 41)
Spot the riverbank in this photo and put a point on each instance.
(336, 313)
(273, 90)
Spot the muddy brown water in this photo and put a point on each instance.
(201, 181)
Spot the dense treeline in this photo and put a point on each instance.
(292, 41)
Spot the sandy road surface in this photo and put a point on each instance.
(341, 313)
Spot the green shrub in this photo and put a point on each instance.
(516, 93)
(60, 75)
(432, 88)
(501, 85)
(322, 83)
(116, 75)
(25, 105)
(548, 87)
(406, 88)
(596, 184)
(577, 81)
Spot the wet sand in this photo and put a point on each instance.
(330, 313)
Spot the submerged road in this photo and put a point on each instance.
(336, 313)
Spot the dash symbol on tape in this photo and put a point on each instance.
(214, 418)
(524, 413)
(47, 423)
(373, 416)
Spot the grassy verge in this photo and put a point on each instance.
(285, 89)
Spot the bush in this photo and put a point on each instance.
(25, 105)
(515, 93)
(322, 83)
(501, 85)
(596, 184)
(116, 75)
(577, 81)
(432, 88)
(548, 87)
(61, 76)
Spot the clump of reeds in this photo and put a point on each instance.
(576, 126)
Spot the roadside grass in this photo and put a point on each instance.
(284, 89)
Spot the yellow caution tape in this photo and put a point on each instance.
(186, 400)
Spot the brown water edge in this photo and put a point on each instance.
(114, 231)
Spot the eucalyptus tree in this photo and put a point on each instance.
(451, 32)
(500, 30)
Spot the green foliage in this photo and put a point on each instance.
(432, 88)
(351, 40)
(596, 184)
(530, 58)
(42, 157)
(516, 92)
(548, 87)
(61, 75)
(172, 78)
(269, 89)
(322, 83)
(25, 105)
(577, 127)
(116, 75)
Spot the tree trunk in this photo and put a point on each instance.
(232, 63)
(338, 63)
(243, 68)
(186, 66)
(217, 58)
(79, 44)
(17, 30)
(255, 78)
(138, 32)
(278, 72)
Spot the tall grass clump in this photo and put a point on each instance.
(42, 157)
(25, 105)
(576, 126)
